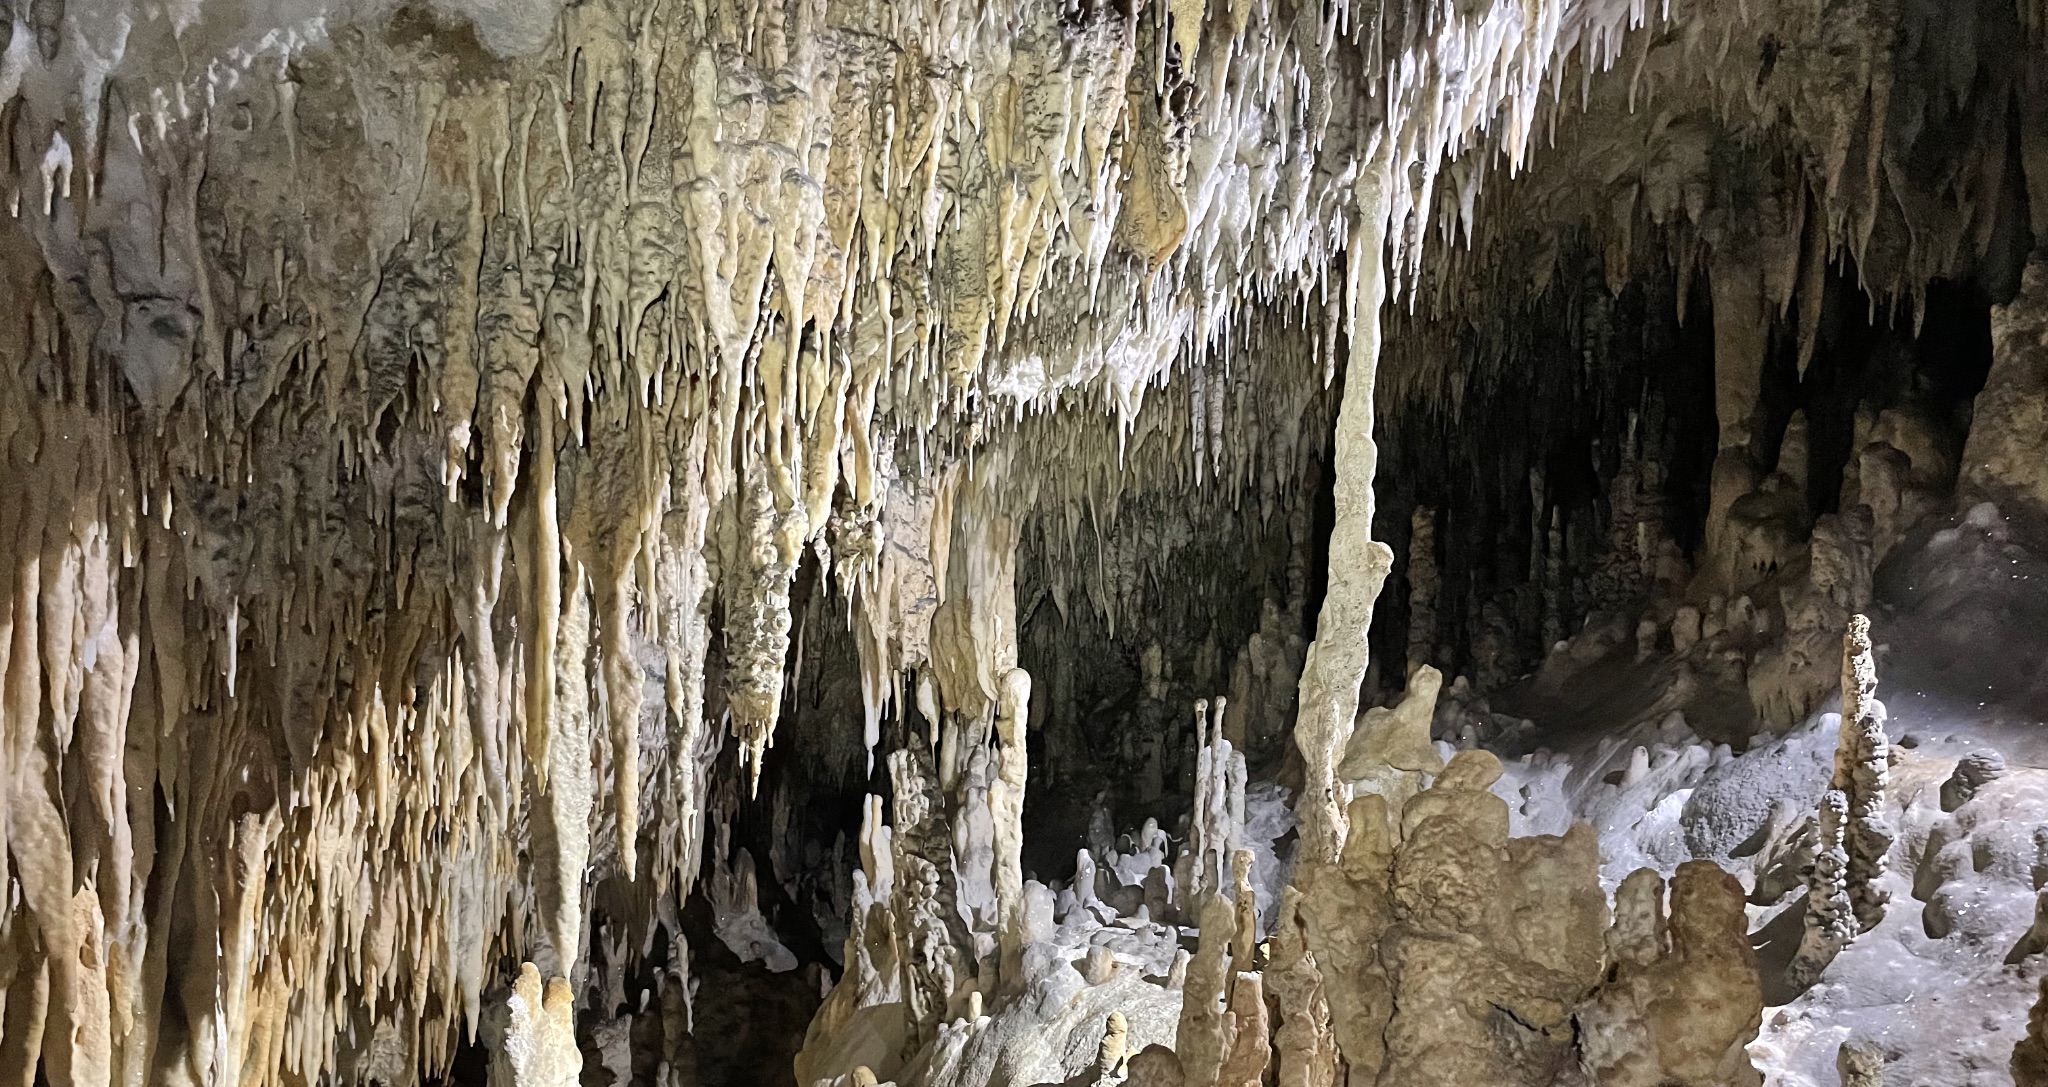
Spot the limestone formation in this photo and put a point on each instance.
(1345, 910)
(492, 491)
(1973, 771)
(1006, 810)
(1110, 1059)
(2034, 941)
(539, 1048)
(1217, 832)
(1245, 904)
(1425, 585)
(1494, 943)
(1155, 1066)
(1862, 761)
(2030, 1056)
(1860, 1063)
(1305, 1050)
(1683, 998)
(1205, 1036)
(1398, 738)
(1999, 460)
(1251, 1047)
(1830, 920)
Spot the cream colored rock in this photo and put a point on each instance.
(1305, 1049)
(1425, 582)
(1683, 1012)
(539, 1049)
(1206, 1033)
(1397, 738)
(1860, 1063)
(390, 394)
(1862, 773)
(1110, 1060)
(1492, 947)
(1345, 910)
(1155, 1066)
(1251, 1047)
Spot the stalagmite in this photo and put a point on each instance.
(1217, 831)
(1246, 907)
(1346, 910)
(1305, 1050)
(1684, 997)
(539, 1049)
(1006, 806)
(1110, 1060)
(1862, 771)
(1155, 1066)
(1204, 1039)
(1251, 1051)
(1397, 738)
(1830, 913)
(1477, 993)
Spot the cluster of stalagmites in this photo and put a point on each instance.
(1435, 949)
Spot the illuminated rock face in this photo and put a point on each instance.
(470, 468)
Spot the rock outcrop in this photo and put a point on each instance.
(1683, 997)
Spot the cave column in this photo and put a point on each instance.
(1006, 805)
(984, 697)
(1741, 338)
(2005, 454)
(1358, 564)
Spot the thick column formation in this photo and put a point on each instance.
(1006, 809)
(1425, 582)
(1359, 564)
(2003, 457)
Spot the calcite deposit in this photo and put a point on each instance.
(930, 542)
